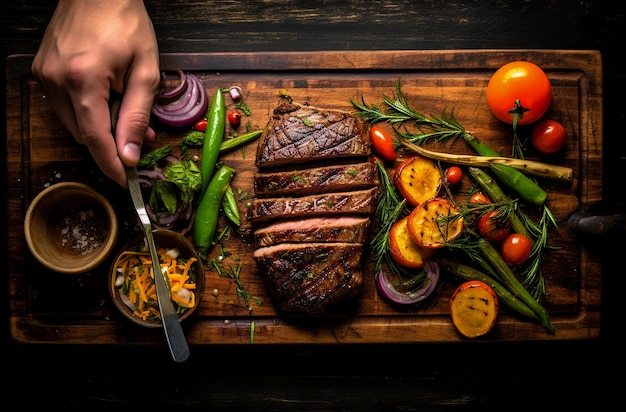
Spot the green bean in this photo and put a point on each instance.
(229, 205)
(514, 179)
(235, 142)
(509, 280)
(213, 136)
(207, 212)
(506, 297)
(495, 193)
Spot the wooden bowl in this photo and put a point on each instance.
(167, 239)
(70, 228)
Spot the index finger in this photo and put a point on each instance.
(94, 126)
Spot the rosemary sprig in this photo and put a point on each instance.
(531, 276)
(391, 207)
(388, 210)
(398, 111)
(234, 272)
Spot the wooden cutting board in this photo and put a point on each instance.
(48, 307)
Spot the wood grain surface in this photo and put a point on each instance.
(48, 308)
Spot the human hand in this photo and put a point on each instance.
(90, 49)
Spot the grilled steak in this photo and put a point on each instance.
(315, 194)
(351, 202)
(348, 229)
(333, 178)
(311, 278)
(298, 133)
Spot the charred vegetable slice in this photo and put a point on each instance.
(403, 249)
(474, 308)
(434, 223)
(418, 179)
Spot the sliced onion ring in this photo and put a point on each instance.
(182, 216)
(175, 92)
(389, 292)
(184, 105)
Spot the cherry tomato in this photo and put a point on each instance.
(548, 136)
(200, 125)
(479, 198)
(383, 143)
(454, 174)
(493, 227)
(516, 249)
(234, 118)
(523, 81)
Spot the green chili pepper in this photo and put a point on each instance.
(238, 141)
(229, 205)
(514, 179)
(213, 136)
(524, 186)
(207, 213)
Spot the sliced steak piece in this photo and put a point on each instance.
(335, 178)
(348, 229)
(353, 202)
(310, 278)
(298, 133)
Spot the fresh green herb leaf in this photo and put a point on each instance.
(185, 174)
(151, 158)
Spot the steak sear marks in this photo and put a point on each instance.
(348, 229)
(310, 278)
(333, 178)
(298, 134)
(351, 202)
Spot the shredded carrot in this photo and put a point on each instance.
(138, 285)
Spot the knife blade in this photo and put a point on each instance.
(171, 324)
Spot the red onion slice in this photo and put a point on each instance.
(177, 91)
(389, 292)
(190, 105)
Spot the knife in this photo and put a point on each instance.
(171, 324)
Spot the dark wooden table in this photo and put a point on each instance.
(351, 377)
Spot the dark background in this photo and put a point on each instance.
(425, 377)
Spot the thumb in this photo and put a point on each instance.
(132, 124)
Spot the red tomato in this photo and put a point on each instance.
(523, 81)
(548, 136)
(516, 249)
(493, 227)
(479, 198)
(234, 118)
(200, 125)
(383, 143)
(454, 174)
